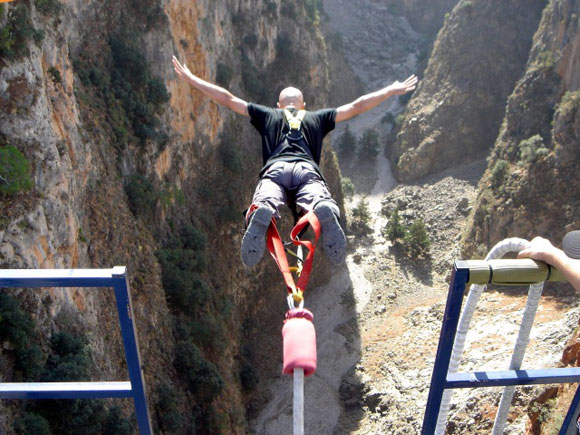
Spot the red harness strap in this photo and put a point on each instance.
(276, 248)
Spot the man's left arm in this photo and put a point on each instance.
(367, 102)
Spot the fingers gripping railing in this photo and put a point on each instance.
(445, 376)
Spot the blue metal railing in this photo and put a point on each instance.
(441, 379)
(134, 388)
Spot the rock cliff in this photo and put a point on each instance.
(456, 112)
(529, 187)
(130, 166)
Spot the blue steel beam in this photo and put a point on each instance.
(459, 277)
(131, 344)
(65, 390)
(116, 278)
(513, 377)
(31, 278)
(569, 424)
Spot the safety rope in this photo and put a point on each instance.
(475, 291)
(278, 252)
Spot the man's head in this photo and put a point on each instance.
(291, 98)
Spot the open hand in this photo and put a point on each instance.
(400, 88)
(182, 70)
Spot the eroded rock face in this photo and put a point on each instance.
(456, 112)
(536, 193)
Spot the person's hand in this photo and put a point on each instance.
(400, 88)
(540, 249)
(182, 70)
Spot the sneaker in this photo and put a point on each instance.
(254, 240)
(333, 239)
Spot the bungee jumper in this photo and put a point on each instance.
(291, 149)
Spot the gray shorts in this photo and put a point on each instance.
(301, 177)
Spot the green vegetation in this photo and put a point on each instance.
(17, 329)
(252, 79)
(399, 120)
(388, 118)
(404, 99)
(270, 9)
(416, 241)
(131, 97)
(546, 59)
(14, 171)
(361, 218)
(55, 74)
(141, 194)
(313, 9)
(499, 172)
(223, 75)
(568, 105)
(202, 376)
(69, 359)
(346, 145)
(199, 315)
(369, 144)
(229, 151)
(31, 423)
(16, 33)
(171, 420)
(394, 230)
(348, 188)
(183, 259)
(413, 239)
(532, 148)
(466, 6)
(48, 7)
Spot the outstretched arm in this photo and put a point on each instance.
(221, 96)
(542, 250)
(368, 101)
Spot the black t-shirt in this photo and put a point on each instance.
(272, 126)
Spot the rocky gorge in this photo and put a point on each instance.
(129, 166)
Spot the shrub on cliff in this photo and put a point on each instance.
(14, 171)
(17, 329)
(202, 376)
(141, 194)
(31, 423)
(498, 173)
(532, 148)
(48, 7)
(16, 32)
(167, 407)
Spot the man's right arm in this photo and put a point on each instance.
(367, 102)
(221, 96)
(542, 250)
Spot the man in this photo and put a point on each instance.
(291, 149)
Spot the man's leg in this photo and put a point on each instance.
(268, 197)
(313, 194)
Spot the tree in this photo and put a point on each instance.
(346, 144)
(416, 240)
(394, 230)
(369, 144)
